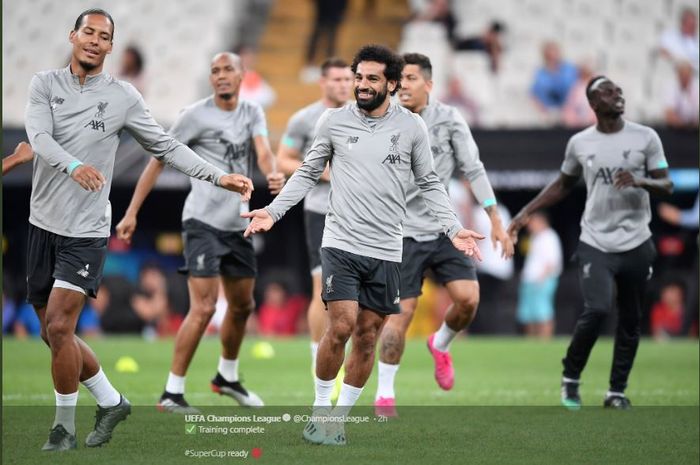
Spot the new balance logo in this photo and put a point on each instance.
(96, 125)
(589, 160)
(329, 284)
(200, 262)
(352, 140)
(84, 272)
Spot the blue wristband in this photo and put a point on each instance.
(489, 202)
(73, 165)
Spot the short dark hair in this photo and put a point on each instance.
(93, 11)
(393, 63)
(422, 61)
(332, 62)
(138, 57)
(590, 83)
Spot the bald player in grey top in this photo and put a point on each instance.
(228, 132)
(621, 163)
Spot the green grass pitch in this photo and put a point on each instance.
(503, 409)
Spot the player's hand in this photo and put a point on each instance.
(23, 152)
(237, 183)
(669, 213)
(498, 235)
(626, 179)
(89, 178)
(465, 241)
(126, 228)
(275, 182)
(261, 221)
(516, 224)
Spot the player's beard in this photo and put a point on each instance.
(87, 66)
(226, 97)
(374, 103)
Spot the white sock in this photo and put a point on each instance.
(314, 351)
(102, 390)
(385, 380)
(614, 393)
(228, 369)
(347, 398)
(564, 379)
(65, 411)
(175, 384)
(443, 337)
(324, 389)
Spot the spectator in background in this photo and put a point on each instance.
(329, 15)
(667, 313)
(131, 68)
(489, 42)
(577, 112)
(457, 98)
(682, 44)
(553, 80)
(540, 278)
(253, 86)
(280, 315)
(9, 310)
(150, 302)
(687, 219)
(27, 324)
(682, 98)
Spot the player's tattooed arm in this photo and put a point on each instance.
(550, 195)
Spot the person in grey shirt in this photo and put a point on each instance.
(224, 130)
(621, 163)
(375, 149)
(73, 119)
(425, 246)
(336, 90)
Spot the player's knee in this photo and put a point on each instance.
(203, 310)
(365, 343)
(240, 311)
(467, 303)
(58, 330)
(340, 331)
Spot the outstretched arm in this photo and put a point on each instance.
(551, 194)
(23, 153)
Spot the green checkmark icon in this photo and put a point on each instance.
(191, 429)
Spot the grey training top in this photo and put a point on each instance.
(370, 173)
(614, 220)
(224, 139)
(69, 124)
(299, 135)
(453, 149)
